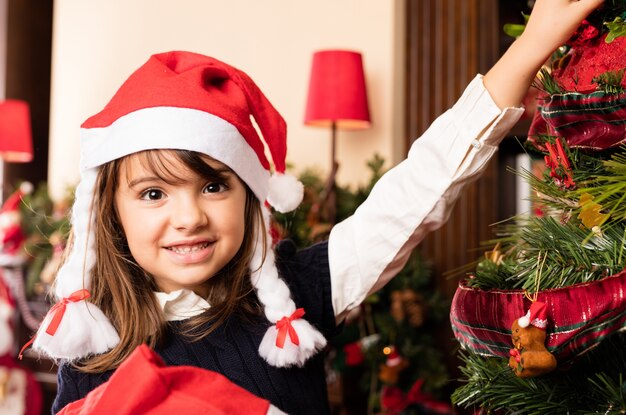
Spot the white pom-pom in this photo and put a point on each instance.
(285, 192)
(84, 330)
(311, 341)
(26, 188)
(523, 322)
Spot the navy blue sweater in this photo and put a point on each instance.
(232, 349)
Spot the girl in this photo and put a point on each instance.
(170, 224)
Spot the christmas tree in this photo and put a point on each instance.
(541, 318)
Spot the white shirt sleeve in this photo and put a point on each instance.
(370, 247)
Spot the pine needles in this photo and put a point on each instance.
(592, 385)
(562, 248)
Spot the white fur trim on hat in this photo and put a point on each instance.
(276, 299)
(83, 329)
(285, 192)
(179, 129)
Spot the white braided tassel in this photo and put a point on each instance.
(83, 328)
(276, 299)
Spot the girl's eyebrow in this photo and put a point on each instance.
(140, 180)
(225, 172)
(222, 170)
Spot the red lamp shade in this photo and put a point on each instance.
(15, 135)
(337, 91)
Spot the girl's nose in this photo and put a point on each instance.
(188, 215)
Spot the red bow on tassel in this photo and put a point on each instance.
(284, 327)
(57, 311)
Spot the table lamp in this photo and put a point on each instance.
(15, 134)
(337, 99)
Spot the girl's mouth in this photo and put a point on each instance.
(187, 249)
(191, 253)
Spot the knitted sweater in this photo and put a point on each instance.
(232, 349)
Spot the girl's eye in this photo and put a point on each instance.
(214, 188)
(152, 194)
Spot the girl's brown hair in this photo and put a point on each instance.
(124, 291)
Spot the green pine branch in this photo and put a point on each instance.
(610, 81)
(545, 82)
(592, 385)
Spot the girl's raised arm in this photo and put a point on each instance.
(369, 248)
(551, 24)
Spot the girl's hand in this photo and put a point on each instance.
(551, 24)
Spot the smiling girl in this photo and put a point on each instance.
(171, 246)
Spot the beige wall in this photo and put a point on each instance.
(97, 44)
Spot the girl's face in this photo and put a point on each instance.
(183, 232)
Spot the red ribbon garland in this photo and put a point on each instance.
(284, 327)
(57, 311)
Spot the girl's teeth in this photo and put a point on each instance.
(188, 249)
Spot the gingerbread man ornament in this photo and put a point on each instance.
(529, 357)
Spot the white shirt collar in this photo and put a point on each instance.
(181, 304)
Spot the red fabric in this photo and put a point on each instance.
(538, 315)
(590, 121)
(143, 385)
(190, 80)
(590, 60)
(579, 316)
(585, 33)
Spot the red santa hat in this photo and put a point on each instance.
(144, 385)
(185, 101)
(536, 316)
(11, 234)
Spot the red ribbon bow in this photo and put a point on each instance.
(559, 166)
(58, 310)
(284, 326)
(516, 354)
